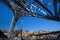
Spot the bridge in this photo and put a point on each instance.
(20, 8)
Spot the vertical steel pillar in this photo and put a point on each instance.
(15, 19)
(11, 33)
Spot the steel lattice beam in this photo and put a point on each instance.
(55, 7)
(41, 16)
(44, 7)
(19, 3)
(58, 1)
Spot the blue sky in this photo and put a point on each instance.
(29, 23)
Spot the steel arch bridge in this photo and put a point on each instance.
(22, 8)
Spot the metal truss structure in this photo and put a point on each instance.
(20, 8)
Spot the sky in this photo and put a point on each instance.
(29, 23)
